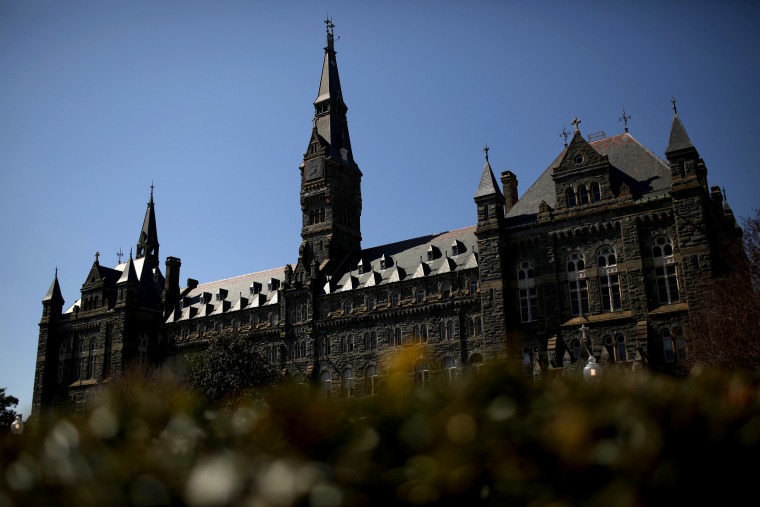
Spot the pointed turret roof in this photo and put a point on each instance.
(148, 241)
(54, 292)
(330, 109)
(679, 139)
(488, 184)
(129, 274)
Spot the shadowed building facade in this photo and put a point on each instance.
(607, 252)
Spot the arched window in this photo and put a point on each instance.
(530, 356)
(350, 343)
(449, 369)
(446, 290)
(665, 270)
(526, 286)
(571, 201)
(348, 383)
(617, 347)
(609, 279)
(325, 382)
(577, 284)
(473, 286)
(420, 295)
(397, 337)
(423, 333)
(370, 381)
(91, 359)
(395, 299)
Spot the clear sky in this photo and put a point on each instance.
(211, 101)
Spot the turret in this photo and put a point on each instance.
(147, 244)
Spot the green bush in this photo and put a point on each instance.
(493, 439)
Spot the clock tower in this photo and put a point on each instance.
(331, 199)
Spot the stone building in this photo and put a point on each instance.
(607, 252)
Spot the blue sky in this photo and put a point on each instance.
(211, 101)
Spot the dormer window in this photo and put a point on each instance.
(384, 262)
(255, 288)
(432, 253)
(457, 248)
(273, 284)
(221, 294)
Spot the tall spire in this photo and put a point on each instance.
(147, 244)
(679, 139)
(330, 110)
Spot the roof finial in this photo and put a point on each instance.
(485, 149)
(564, 134)
(151, 190)
(724, 194)
(130, 253)
(575, 123)
(56, 271)
(673, 101)
(97, 255)
(330, 28)
(119, 255)
(625, 119)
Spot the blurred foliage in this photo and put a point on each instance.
(230, 370)
(490, 439)
(7, 414)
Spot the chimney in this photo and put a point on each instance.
(171, 284)
(509, 183)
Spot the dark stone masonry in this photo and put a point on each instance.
(606, 253)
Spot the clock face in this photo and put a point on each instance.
(314, 168)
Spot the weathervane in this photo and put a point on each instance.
(673, 101)
(625, 119)
(119, 255)
(485, 149)
(564, 134)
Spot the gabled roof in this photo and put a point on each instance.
(631, 162)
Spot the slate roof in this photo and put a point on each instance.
(488, 184)
(679, 139)
(632, 163)
(403, 261)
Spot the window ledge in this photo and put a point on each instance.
(600, 317)
(83, 383)
(674, 307)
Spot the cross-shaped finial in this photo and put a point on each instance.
(119, 255)
(625, 119)
(575, 123)
(151, 190)
(564, 134)
(329, 26)
(673, 101)
(485, 149)
(97, 254)
(724, 194)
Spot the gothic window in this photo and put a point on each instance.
(420, 295)
(373, 340)
(370, 379)
(423, 333)
(61, 361)
(370, 303)
(449, 369)
(665, 270)
(350, 343)
(446, 290)
(348, 383)
(596, 193)
(325, 381)
(526, 285)
(396, 337)
(299, 313)
(91, 359)
(577, 284)
(421, 373)
(667, 346)
(473, 286)
(609, 279)
(447, 329)
(347, 305)
(571, 201)
(325, 309)
(395, 298)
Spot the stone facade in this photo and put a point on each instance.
(606, 253)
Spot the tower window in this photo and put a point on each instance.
(577, 284)
(609, 279)
(665, 270)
